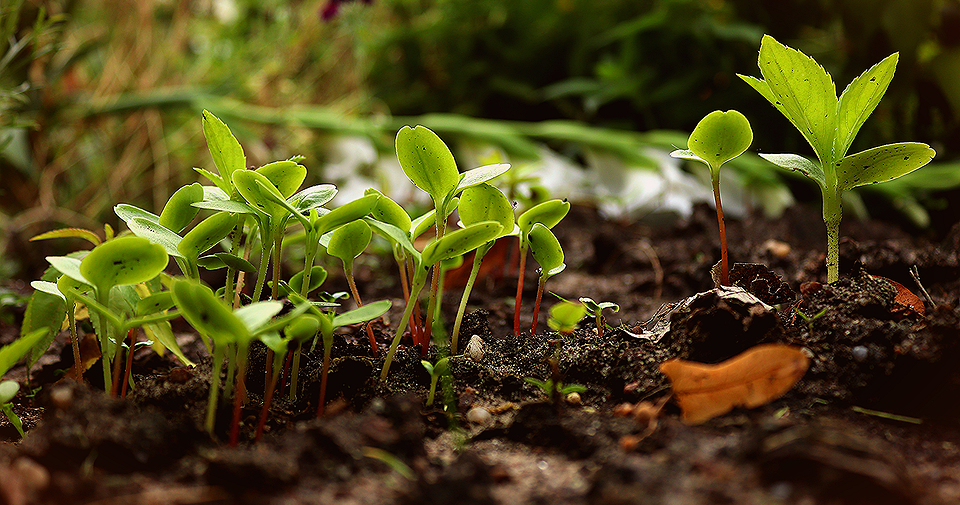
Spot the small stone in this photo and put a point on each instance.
(574, 399)
(62, 397)
(479, 415)
(860, 353)
(476, 348)
(776, 248)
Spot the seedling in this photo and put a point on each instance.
(718, 138)
(548, 213)
(596, 310)
(430, 166)
(8, 389)
(548, 253)
(10, 354)
(565, 316)
(810, 319)
(435, 372)
(346, 243)
(482, 202)
(805, 93)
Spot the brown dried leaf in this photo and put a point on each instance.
(752, 378)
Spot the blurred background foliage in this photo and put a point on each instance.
(100, 100)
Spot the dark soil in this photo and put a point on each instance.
(873, 420)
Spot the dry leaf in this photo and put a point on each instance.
(752, 378)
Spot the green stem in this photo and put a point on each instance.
(295, 372)
(419, 281)
(75, 340)
(219, 353)
(474, 272)
(278, 243)
(831, 217)
(235, 237)
(262, 270)
(240, 395)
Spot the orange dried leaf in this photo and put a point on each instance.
(87, 235)
(754, 377)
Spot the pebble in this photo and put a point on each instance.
(574, 399)
(479, 415)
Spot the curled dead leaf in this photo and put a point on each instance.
(905, 303)
(754, 377)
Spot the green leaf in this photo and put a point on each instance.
(222, 185)
(546, 249)
(156, 233)
(179, 209)
(303, 328)
(484, 202)
(482, 174)
(361, 314)
(565, 315)
(85, 234)
(8, 389)
(460, 242)
(157, 302)
(45, 311)
(255, 188)
(286, 176)
(11, 353)
(127, 212)
(860, 98)
(124, 260)
(274, 342)
(206, 234)
(313, 197)
(224, 148)
(255, 315)
(236, 262)
(318, 274)
(48, 287)
(799, 164)
(348, 241)
(549, 213)
(394, 235)
(882, 163)
(389, 211)
(350, 211)
(208, 314)
(232, 206)
(69, 267)
(427, 162)
(423, 223)
(719, 137)
(802, 90)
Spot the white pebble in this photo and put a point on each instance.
(479, 415)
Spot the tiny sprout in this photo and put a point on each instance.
(347, 243)
(718, 138)
(548, 253)
(596, 310)
(565, 316)
(548, 213)
(550, 388)
(435, 372)
(810, 319)
(8, 389)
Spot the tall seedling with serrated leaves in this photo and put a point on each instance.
(805, 93)
(718, 138)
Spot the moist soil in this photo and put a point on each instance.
(873, 420)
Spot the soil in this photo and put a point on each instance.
(873, 420)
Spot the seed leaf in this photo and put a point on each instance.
(207, 313)
(549, 213)
(719, 137)
(484, 202)
(460, 241)
(349, 240)
(546, 249)
(179, 209)
(206, 234)
(756, 376)
(361, 314)
(122, 261)
(427, 162)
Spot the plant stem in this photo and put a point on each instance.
(75, 341)
(351, 281)
(126, 375)
(295, 372)
(240, 395)
(268, 396)
(262, 270)
(536, 306)
(520, 271)
(327, 349)
(219, 352)
(474, 271)
(419, 281)
(278, 242)
(724, 261)
(832, 212)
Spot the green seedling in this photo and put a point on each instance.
(435, 372)
(548, 213)
(452, 244)
(718, 138)
(10, 354)
(596, 310)
(552, 389)
(565, 316)
(346, 243)
(482, 202)
(548, 253)
(805, 94)
(430, 166)
(810, 319)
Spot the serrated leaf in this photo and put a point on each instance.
(222, 185)
(224, 148)
(882, 163)
(860, 98)
(799, 164)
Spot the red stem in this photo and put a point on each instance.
(286, 368)
(267, 400)
(126, 376)
(724, 265)
(520, 271)
(536, 306)
(323, 383)
(238, 397)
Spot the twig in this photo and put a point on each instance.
(915, 273)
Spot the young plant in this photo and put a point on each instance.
(482, 202)
(805, 94)
(346, 243)
(10, 354)
(435, 372)
(430, 166)
(548, 253)
(8, 390)
(718, 138)
(596, 310)
(548, 213)
(565, 316)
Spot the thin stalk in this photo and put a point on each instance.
(268, 397)
(235, 236)
(241, 394)
(295, 372)
(241, 276)
(327, 349)
(520, 272)
(434, 288)
(348, 273)
(418, 284)
(126, 374)
(832, 212)
(724, 261)
(474, 272)
(536, 306)
(415, 327)
(262, 270)
(231, 372)
(106, 330)
(278, 242)
(75, 341)
(219, 353)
